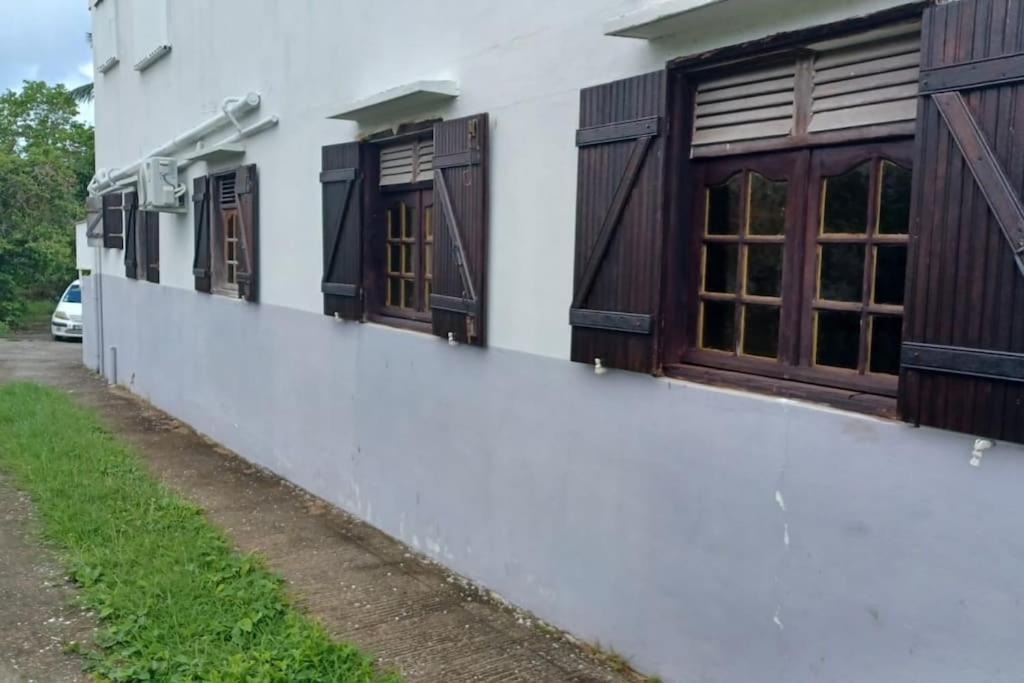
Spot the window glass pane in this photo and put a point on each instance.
(761, 331)
(837, 342)
(719, 326)
(842, 272)
(406, 223)
(725, 207)
(394, 264)
(394, 291)
(392, 218)
(720, 267)
(408, 292)
(407, 265)
(764, 269)
(846, 201)
(890, 274)
(886, 333)
(894, 211)
(767, 205)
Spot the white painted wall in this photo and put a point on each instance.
(85, 256)
(522, 62)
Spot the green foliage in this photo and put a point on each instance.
(174, 601)
(46, 161)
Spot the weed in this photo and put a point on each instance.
(174, 601)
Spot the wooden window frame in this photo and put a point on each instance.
(380, 199)
(680, 285)
(221, 283)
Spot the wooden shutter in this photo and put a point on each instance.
(93, 219)
(341, 181)
(113, 221)
(201, 216)
(458, 297)
(247, 190)
(150, 230)
(963, 351)
(619, 223)
(131, 246)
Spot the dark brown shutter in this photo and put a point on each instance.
(201, 216)
(131, 243)
(150, 223)
(341, 180)
(113, 221)
(963, 351)
(247, 190)
(458, 295)
(619, 223)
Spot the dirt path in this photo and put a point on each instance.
(36, 617)
(362, 585)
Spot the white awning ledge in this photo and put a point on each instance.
(417, 95)
(657, 20)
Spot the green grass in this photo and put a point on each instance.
(37, 312)
(174, 601)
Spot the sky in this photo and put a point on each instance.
(45, 40)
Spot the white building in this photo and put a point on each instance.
(737, 204)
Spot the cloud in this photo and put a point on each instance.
(43, 40)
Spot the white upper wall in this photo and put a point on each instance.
(522, 62)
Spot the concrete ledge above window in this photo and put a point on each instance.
(227, 151)
(657, 20)
(151, 58)
(418, 95)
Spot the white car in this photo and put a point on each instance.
(66, 322)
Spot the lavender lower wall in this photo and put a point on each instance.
(706, 534)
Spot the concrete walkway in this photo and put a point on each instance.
(365, 587)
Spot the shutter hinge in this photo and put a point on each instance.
(472, 128)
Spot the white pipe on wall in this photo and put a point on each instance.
(240, 135)
(231, 108)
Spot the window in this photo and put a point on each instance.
(390, 254)
(802, 259)
(226, 235)
(404, 259)
(73, 295)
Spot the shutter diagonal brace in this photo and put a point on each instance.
(611, 218)
(246, 276)
(991, 179)
(201, 205)
(337, 235)
(453, 230)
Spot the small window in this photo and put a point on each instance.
(226, 233)
(405, 234)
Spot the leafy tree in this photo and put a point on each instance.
(46, 160)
